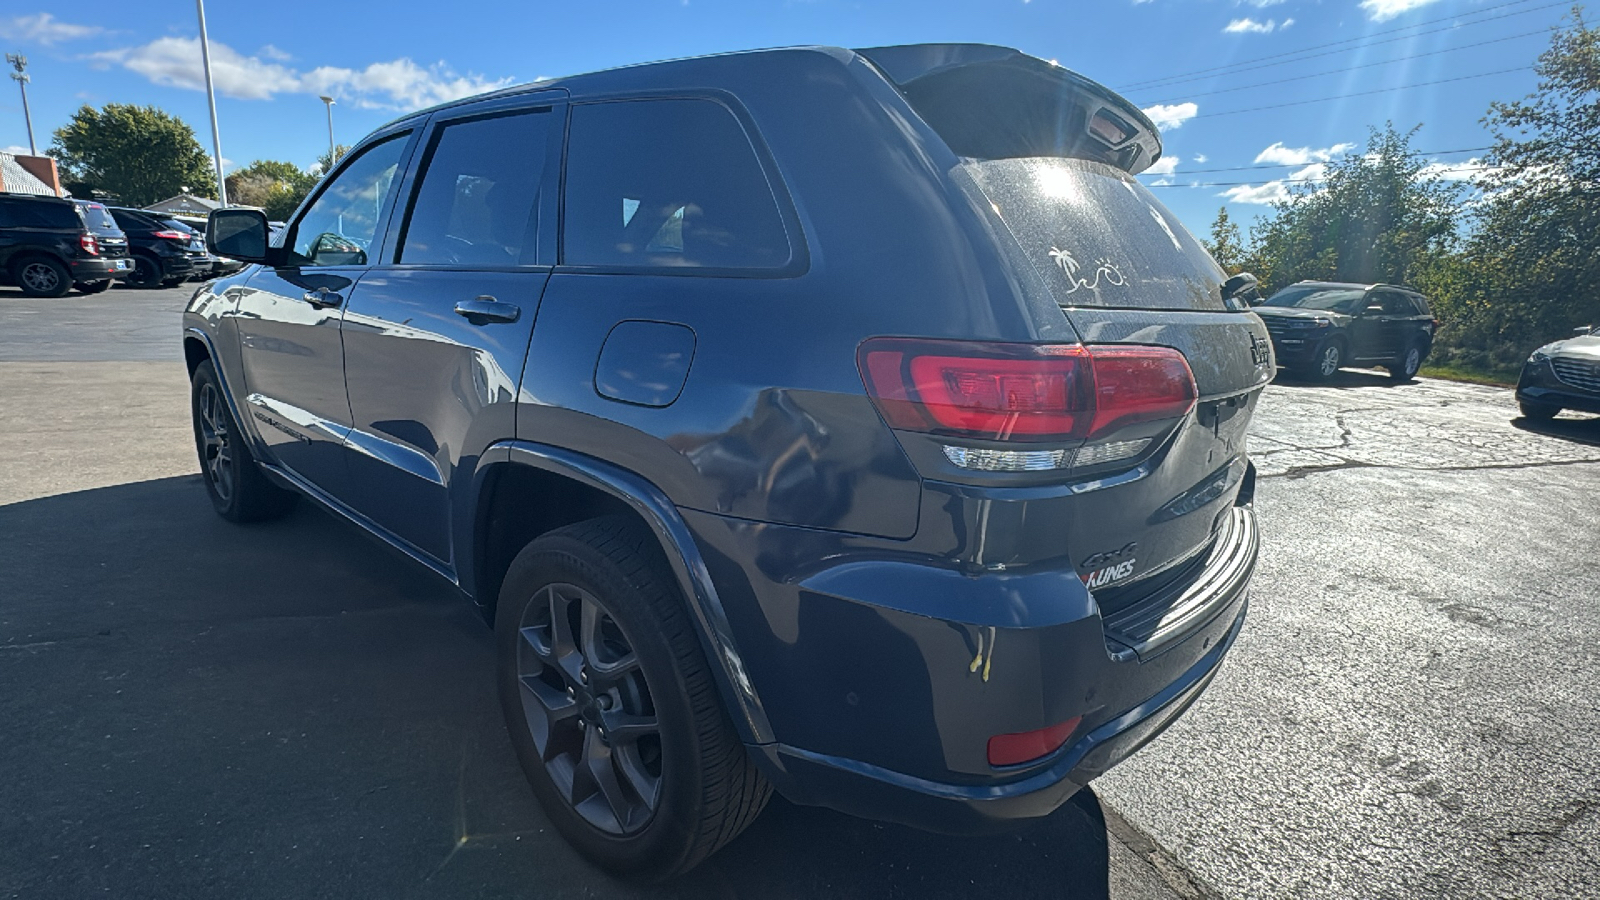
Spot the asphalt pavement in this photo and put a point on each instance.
(194, 709)
(190, 708)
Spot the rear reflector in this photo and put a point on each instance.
(1023, 392)
(1012, 749)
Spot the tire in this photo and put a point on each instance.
(239, 490)
(93, 287)
(1538, 412)
(1327, 361)
(657, 802)
(41, 276)
(1405, 367)
(146, 272)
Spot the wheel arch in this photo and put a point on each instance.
(523, 489)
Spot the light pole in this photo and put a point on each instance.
(20, 76)
(211, 100)
(329, 100)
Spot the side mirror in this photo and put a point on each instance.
(238, 233)
(1241, 289)
(1583, 330)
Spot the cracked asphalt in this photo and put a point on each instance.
(191, 709)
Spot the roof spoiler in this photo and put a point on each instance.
(991, 102)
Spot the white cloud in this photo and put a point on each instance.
(16, 150)
(1286, 24)
(44, 29)
(1277, 190)
(1263, 4)
(1163, 166)
(1384, 10)
(1458, 171)
(1200, 157)
(1171, 115)
(396, 84)
(1298, 156)
(1250, 26)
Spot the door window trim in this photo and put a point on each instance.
(799, 257)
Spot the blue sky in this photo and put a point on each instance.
(1377, 59)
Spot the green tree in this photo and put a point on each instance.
(1225, 245)
(141, 154)
(1532, 264)
(326, 161)
(274, 186)
(1378, 215)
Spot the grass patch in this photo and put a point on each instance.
(1474, 375)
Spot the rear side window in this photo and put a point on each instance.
(667, 184)
(478, 200)
(33, 214)
(132, 221)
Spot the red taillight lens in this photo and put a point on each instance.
(1012, 749)
(1026, 392)
(89, 244)
(172, 235)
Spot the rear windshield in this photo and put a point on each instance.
(1323, 298)
(98, 218)
(1098, 237)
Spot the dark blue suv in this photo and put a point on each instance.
(845, 423)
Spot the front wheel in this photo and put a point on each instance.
(611, 706)
(1326, 362)
(239, 490)
(1405, 368)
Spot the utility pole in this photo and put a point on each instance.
(211, 99)
(329, 100)
(20, 76)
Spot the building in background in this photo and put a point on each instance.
(29, 175)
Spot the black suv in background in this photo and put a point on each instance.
(1319, 326)
(162, 255)
(902, 472)
(49, 245)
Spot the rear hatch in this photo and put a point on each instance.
(113, 244)
(1051, 156)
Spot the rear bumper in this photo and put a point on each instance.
(884, 676)
(99, 268)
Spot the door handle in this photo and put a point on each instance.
(484, 308)
(322, 298)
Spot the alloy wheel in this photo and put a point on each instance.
(1330, 360)
(1413, 361)
(589, 710)
(41, 278)
(215, 454)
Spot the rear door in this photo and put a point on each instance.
(288, 318)
(435, 335)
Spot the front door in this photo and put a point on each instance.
(289, 319)
(435, 337)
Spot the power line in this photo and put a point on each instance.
(1308, 162)
(1341, 71)
(1399, 87)
(1305, 53)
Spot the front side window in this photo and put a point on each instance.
(338, 228)
(666, 184)
(478, 200)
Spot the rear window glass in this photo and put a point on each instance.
(1097, 237)
(1347, 300)
(478, 201)
(98, 218)
(667, 183)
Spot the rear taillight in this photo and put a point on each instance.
(88, 244)
(1024, 392)
(179, 236)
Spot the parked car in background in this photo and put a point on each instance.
(49, 246)
(1562, 375)
(162, 255)
(1319, 326)
(214, 266)
(903, 472)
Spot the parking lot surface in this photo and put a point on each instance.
(198, 709)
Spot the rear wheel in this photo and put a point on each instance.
(1405, 367)
(1539, 412)
(1327, 361)
(612, 707)
(239, 490)
(93, 287)
(41, 276)
(146, 272)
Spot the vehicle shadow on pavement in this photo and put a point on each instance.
(1579, 431)
(194, 708)
(1344, 378)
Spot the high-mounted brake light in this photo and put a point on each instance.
(1023, 392)
(89, 244)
